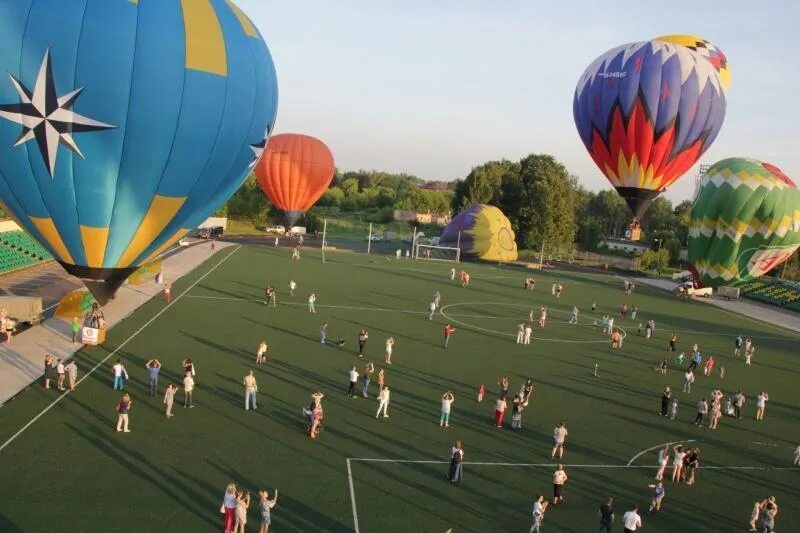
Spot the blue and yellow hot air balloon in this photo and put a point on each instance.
(125, 123)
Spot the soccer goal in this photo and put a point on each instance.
(429, 252)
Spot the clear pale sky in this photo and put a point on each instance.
(433, 88)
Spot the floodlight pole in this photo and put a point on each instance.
(324, 234)
(414, 243)
(369, 239)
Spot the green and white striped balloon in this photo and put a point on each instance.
(745, 222)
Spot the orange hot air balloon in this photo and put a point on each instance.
(294, 172)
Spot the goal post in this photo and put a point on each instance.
(429, 252)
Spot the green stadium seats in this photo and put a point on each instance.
(19, 250)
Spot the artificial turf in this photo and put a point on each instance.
(70, 471)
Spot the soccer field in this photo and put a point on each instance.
(69, 470)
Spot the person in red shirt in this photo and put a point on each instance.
(168, 293)
(448, 330)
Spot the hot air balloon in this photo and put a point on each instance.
(294, 172)
(706, 49)
(124, 124)
(745, 221)
(646, 112)
(482, 232)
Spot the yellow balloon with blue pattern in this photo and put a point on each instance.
(482, 232)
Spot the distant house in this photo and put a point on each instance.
(436, 185)
(440, 219)
(632, 247)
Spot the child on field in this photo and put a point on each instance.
(481, 392)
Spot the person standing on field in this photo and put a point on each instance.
(169, 398)
(448, 332)
(447, 401)
(188, 390)
(312, 300)
(353, 376)
(520, 333)
(261, 353)
(292, 287)
(369, 368)
(528, 333)
(383, 405)
(389, 348)
(153, 368)
(539, 507)
(362, 342)
(168, 293)
(323, 333)
(606, 513)
(559, 479)
(560, 434)
(123, 408)
(432, 308)
(631, 520)
(500, 411)
(76, 328)
(120, 375)
(250, 390)
(72, 373)
(761, 404)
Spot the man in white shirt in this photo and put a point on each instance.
(559, 478)
(250, 390)
(559, 439)
(432, 307)
(631, 520)
(292, 287)
(188, 390)
(353, 375)
(119, 375)
(539, 507)
(528, 332)
(520, 333)
(761, 405)
(383, 398)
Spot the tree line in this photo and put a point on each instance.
(544, 202)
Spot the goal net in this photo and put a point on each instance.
(429, 252)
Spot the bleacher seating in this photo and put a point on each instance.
(773, 291)
(19, 250)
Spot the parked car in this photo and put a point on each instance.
(280, 230)
(183, 242)
(297, 230)
(374, 238)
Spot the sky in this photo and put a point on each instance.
(436, 87)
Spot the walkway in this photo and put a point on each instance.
(749, 308)
(22, 360)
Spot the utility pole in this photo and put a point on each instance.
(369, 239)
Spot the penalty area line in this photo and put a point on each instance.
(117, 349)
(352, 496)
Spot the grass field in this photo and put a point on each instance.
(70, 471)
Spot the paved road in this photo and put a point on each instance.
(48, 281)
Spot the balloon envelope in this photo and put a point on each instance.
(123, 125)
(706, 49)
(745, 221)
(295, 172)
(485, 233)
(646, 112)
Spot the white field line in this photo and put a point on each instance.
(657, 446)
(553, 465)
(118, 348)
(352, 496)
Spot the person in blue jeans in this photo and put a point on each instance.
(153, 368)
(120, 375)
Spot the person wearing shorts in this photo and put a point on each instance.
(559, 478)
(265, 506)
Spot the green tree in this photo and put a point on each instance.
(610, 211)
(540, 202)
(590, 233)
(483, 184)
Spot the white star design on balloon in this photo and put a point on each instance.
(46, 117)
(258, 148)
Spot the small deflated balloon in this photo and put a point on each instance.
(124, 125)
(485, 233)
(646, 112)
(294, 172)
(706, 49)
(745, 221)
